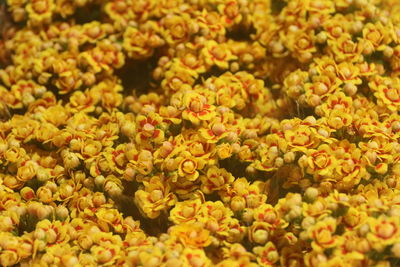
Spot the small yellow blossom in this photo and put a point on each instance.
(217, 54)
(154, 198)
(197, 108)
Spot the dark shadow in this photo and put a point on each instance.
(87, 13)
(136, 75)
(241, 33)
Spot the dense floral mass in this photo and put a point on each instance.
(200, 133)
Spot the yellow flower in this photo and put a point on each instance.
(254, 89)
(51, 232)
(61, 118)
(367, 69)
(66, 190)
(9, 220)
(155, 197)
(215, 179)
(215, 211)
(105, 56)
(40, 11)
(149, 128)
(153, 256)
(349, 73)
(338, 109)
(321, 162)
(322, 234)
(336, 26)
(27, 193)
(301, 138)
(107, 134)
(10, 100)
(176, 28)
(114, 160)
(229, 91)
(191, 63)
(9, 257)
(107, 218)
(267, 255)
(354, 217)
(344, 48)
(167, 150)
(350, 169)
(321, 6)
(144, 8)
(230, 11)
(184, 188)
(109, 92)
(68, 81)
(267, 155)
(301, 44)
(236, 251)
(267, 213)
(210, 24)
(216, 131)
(384, 231)
(325, 65)
(185, 211)
(14, 154)
(378, 35)
(106, 254)
(217, 54)
(45, 195)
(224, 151)
(94, 31)
(259, 232)
(388, 94)
(202, 150)
(378, 148)
(136, 43)
(338, 101)
(119, 11)
(26, 171)
(245, 152)
(177, 79)
(188, 166)
(295, 10)
(90, 149)
(83, 101)
(196, 108)
(195, 258)
(191, 235)
(24, 129)
(46, 132)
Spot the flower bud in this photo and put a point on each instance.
(381, 168)
(248, 216)
(289, 157)
(260, 236)
(6, 223)
(99, 180)
(350, 89)
(85, 241)
(62, 212)
(43, 211)
(238, 203)
(307, 222)
(27, 193)
(70, 260)
(321, 37)
(311, 193)
(44, 194)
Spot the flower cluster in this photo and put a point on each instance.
(200, 133)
